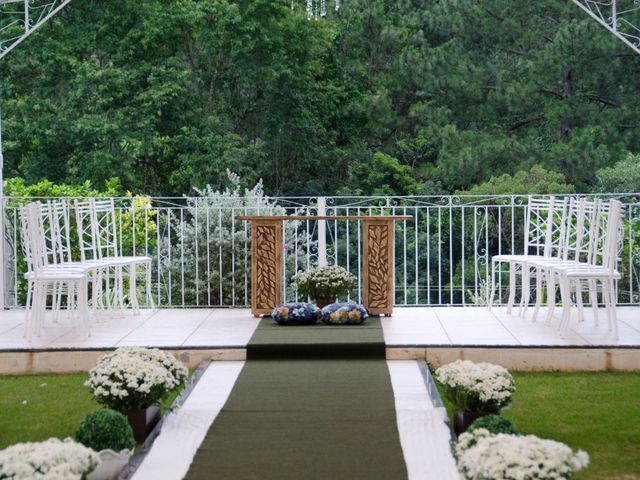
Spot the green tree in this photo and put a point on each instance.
(623, 177)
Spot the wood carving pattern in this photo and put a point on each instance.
(265, 266)
(378, 266)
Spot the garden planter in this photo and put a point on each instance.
(323, 302)
(142, 421)
(111, 464)
(462, 420)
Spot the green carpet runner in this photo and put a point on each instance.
(297, 413)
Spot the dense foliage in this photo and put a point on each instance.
(494, 424)
(406, 97)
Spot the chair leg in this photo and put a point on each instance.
(593, 298)
(133, 294)
(28, 307)
(512, 287)
(491, 295)
(608, 288)
(612, 306)
(538, 294)
(579, 302)
(565, 294)
(120, 286)
(83, 307)
(150, 301)
(551, 295)
(526, 289)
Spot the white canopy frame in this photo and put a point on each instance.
(621, 18)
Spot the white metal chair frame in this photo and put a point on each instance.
(44, 275)
(578, 232)
(586, 256)
(98, 240)
(544, 238)
(600, 268)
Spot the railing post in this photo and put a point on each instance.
(322, 232)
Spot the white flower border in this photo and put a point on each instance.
(481, 455)
(131, 371)
(53, 459)
(490, 382)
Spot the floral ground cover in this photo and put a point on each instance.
(596, 412)
(55, 405)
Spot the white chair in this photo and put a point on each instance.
(45, 277)
(576, 238)
(98, 239)
(600, 268)
(543, 238)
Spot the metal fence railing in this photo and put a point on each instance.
(201, 253)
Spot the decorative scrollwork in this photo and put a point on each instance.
(266, 258)
(378, 266)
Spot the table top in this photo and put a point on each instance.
(310, 217)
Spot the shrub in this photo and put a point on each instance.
(217, 246)
(105, 429)
(494, 424)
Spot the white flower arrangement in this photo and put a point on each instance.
(476, 387)
(481, 455)
(324, 282)
(134, 378)
(53, 459)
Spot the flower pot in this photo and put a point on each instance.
(142, 421)
(462, 420)
(323, 302)
(111, 464)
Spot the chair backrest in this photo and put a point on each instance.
(104, 227)
(579, 229)
(59, 217)
(27, 237)
(36, 237)
(545, 226)
(97, 228)
(609, 235)
(85, 231)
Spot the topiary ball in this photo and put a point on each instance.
(344, 314)
(495, 424)
(296, 313)
(104, 429)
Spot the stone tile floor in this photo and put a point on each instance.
(233, 327)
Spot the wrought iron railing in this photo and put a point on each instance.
(442, 256)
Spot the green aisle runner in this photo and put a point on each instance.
(293, 417)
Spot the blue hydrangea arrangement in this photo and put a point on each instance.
(297, 313)
(344, 314)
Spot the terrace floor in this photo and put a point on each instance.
(437, 334)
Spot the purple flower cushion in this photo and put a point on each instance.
(296, 313)
(344, 314)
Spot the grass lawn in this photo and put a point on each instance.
(34, 408)
(596, 412)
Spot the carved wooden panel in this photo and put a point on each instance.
(378, 266)
(266, 266)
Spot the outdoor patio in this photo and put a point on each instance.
(438, 334)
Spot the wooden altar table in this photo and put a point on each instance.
(377, 263)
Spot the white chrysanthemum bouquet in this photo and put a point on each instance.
(324, 282)
(51, 459)
(132, 378)
(476, 387)
(481, 455)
